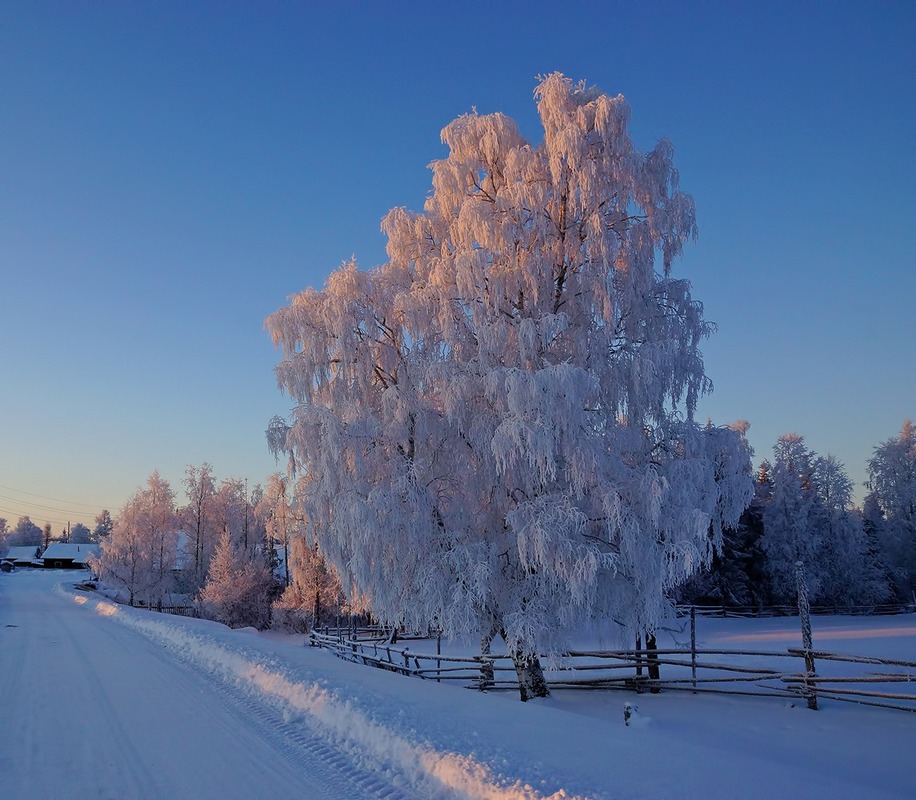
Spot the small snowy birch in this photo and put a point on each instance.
(199, 519)
(495, 427)
(140, 554)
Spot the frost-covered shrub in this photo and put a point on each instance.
(139, 557)
(289, 614)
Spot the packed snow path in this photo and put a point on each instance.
(96, 710)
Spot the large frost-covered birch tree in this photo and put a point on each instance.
(494, 428)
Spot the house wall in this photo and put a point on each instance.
(61, 563)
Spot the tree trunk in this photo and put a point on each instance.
(531, 681)
(804, 613)
(652, 661)
(487, 677)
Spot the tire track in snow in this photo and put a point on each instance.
(13, 684)
(131, 764)
(268, 727)
(310, 752)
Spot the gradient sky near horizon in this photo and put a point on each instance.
(173, 171)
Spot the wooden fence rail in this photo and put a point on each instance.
(719, 671)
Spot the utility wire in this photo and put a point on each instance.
(12, 517)
(53, 499)
(30, 504)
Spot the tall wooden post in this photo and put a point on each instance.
(438, 653)
(652, 659)
(804, 612)
(693, 646)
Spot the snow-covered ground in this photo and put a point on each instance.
(103, 701)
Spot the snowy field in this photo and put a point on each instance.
(103, 701)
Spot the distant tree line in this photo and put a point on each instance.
(27, 534)
(802, 511)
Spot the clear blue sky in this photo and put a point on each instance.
(172, 171)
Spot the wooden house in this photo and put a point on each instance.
(24, 556)
(62, 555)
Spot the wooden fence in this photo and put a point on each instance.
(181, 611)
(719, 671)
(697, 670)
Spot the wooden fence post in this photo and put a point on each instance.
(638, 658)
(693, 646)
(652, 658)
(804, 612)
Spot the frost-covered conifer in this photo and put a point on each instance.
(239, 588)
(850, 573)
(892, 484)
(790, 520)
(495, 427)
(314, 593)
(103, 525)
(25, 534)
(80, 534)
(808, 518)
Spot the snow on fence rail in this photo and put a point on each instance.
(887, 609)
(719, 671)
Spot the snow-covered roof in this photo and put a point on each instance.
(79, 553)
(21, 554)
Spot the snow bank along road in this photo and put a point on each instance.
(102, 701)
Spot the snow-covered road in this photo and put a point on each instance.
(96, 710)
(102, 701)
